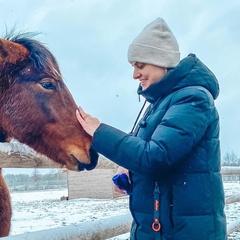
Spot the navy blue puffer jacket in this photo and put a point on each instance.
(176, 146)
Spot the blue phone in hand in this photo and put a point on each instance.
(122, 182)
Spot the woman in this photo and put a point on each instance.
(173, 155)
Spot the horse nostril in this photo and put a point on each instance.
(3, 136)
(93, 157)
(94, 160)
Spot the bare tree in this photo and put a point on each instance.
(230, 159)
(36, 176)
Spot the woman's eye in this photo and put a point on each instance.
(140, 65)
(48, 85)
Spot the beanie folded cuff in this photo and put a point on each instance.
(152, 55)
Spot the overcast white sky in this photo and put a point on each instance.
(90, 41)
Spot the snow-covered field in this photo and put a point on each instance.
(33, 211)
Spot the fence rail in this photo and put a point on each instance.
(230, 170)
(17, 155)
(99, 229)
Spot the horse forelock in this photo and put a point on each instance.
(39, 56)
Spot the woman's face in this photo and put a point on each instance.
(147, 74)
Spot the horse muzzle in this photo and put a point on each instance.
(93, 161)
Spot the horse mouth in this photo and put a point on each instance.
(93, 161)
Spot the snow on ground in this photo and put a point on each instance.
(33, 211)
(232, 210)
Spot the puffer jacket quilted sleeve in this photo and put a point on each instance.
(171, 135)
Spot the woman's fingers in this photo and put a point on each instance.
(89, 123)
(82, 113)
(79, 116)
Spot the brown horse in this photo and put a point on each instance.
(37, 109)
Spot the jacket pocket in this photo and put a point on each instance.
(192, 196)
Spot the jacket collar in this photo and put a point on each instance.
(163, 87)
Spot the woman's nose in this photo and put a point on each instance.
(136, 74)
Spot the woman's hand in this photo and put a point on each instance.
(121, 170)
(89, 123)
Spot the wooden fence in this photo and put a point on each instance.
(16, 155)
(232, 171)
(93, 230)
(102, 175)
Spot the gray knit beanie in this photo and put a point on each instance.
(155, 45)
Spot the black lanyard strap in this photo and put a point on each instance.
(138, 116)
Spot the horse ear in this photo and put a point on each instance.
(11, 52)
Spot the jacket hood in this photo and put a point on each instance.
(189, 72)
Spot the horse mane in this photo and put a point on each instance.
(39, 55)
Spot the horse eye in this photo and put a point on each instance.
(48, 85)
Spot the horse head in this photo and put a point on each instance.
(37, 108)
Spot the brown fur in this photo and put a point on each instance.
(5, 208)
(37, 109)
(11, 52)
